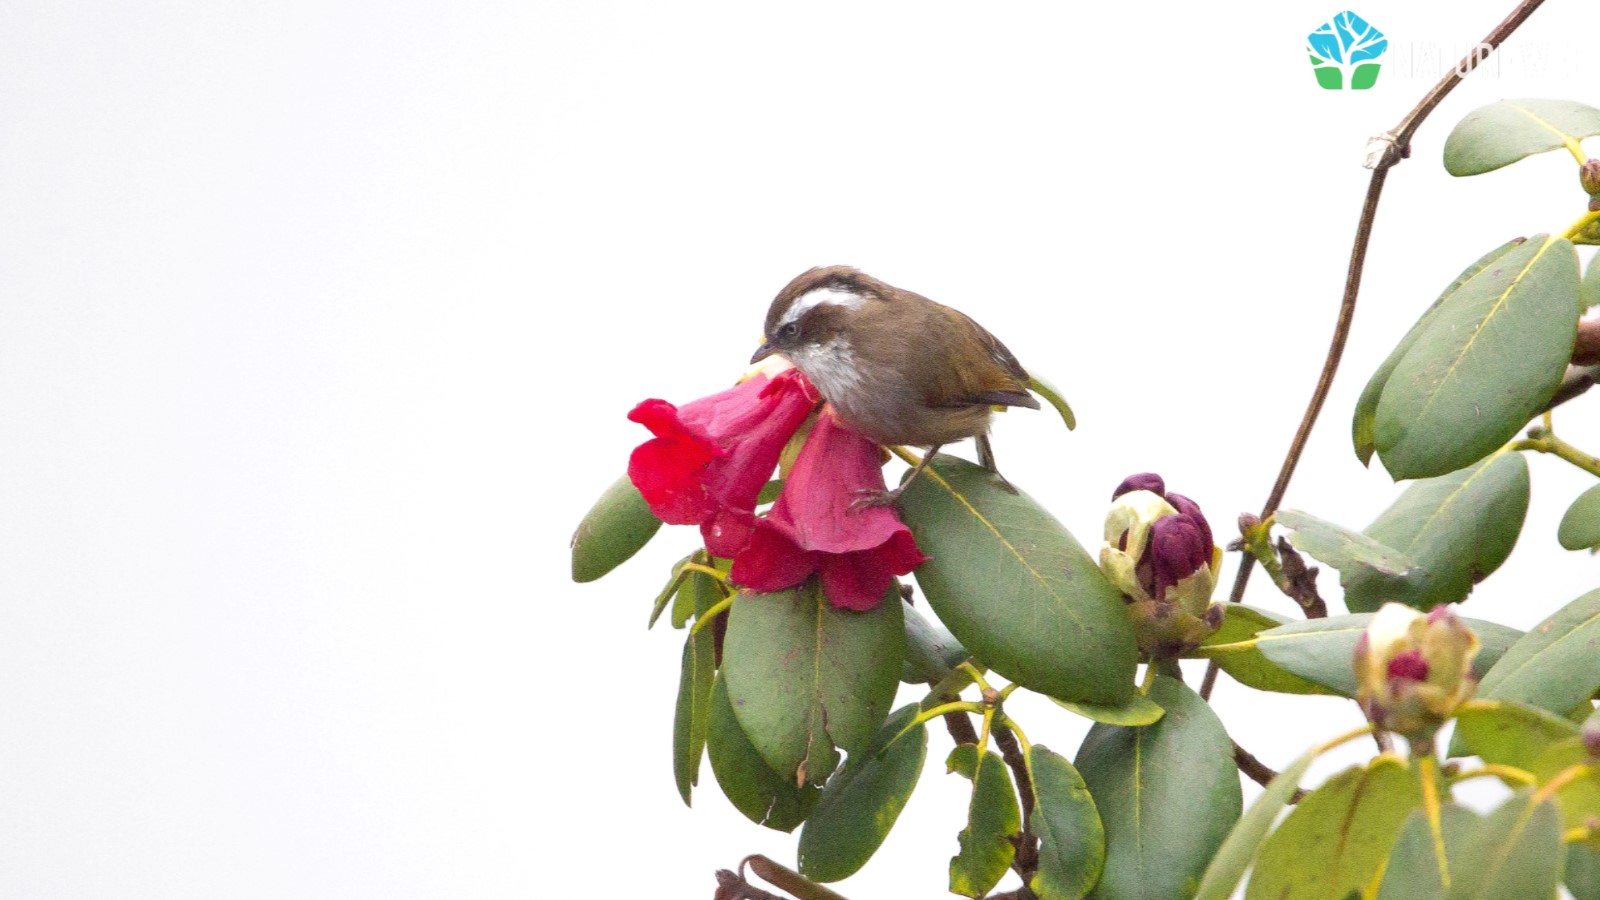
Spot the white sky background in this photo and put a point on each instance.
(319, 323)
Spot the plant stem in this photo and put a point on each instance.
(1387, 151)
(1546, 442)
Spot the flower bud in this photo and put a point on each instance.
(1414, 669)
(1159, 553)
(1590, 733)
(1589, 177)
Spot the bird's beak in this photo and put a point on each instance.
(766, 349)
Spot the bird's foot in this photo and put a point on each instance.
(867, 498)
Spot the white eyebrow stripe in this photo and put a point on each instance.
(818, 297)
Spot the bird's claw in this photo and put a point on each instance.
(867, 498)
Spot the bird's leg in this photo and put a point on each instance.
(869, 497)
(986, 459)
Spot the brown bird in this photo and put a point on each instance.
(896, 366)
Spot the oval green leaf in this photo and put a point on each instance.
(861, 803)
(1556, 665)
(1580, 797)
(616, 527)
(1336, 840)
(1364, 425)
(1168, 795)
(1016, 589)
(1502, 133)
(1580, 527)
(1507, 733)
(1233, 648)
(1457, 529)
(993, 822)
(1139, 710)
(931, 651)
(1488, 359)
(1321, 650)
(1072, 842)
(762, 795)
(805, 677)
(1414, 872)
(1516, 853)
(692, 716)
(1340, 547)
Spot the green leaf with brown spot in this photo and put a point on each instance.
(1336, 840)
(1501, 133)
(805, 677)
(762, 795)
(1072, 842)
(862, 802)
(993, 822)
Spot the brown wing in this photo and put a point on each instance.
(998, 380)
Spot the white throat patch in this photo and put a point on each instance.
(818, 297)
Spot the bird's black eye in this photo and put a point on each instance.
(789, 330)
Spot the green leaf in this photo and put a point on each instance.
(805, 677)
(1413, 869)
(861, 803)
(696, 588)
(1321, 650)
(1234, 650)
(1016, 589)
(1583, 871)
(1580, 798)
(1336, 840)
(1580, 527)
(1589, 290)
(1516, 853)
(1227, 868)
(1363, 426)
(1167, 793)
(614, 529)
(1456, 528)
(764, 796)
(699, 668)
(1072, 842)
(1502, 133)
(1556, 665)
(1052, 396)
(993, 821)
(1340, 547)
(1505, 732)
(1489, 358)
(931, 651)
(1139, 710)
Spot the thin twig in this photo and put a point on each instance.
(1390, 148)
(1258, 771)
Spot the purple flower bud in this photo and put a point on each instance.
(1144, 481)
(1589, 176)
(1591, 736)
(1409, 664)
(1179, 546)
(1192, 509)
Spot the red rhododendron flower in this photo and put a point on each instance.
(812, 527)
(709, 459)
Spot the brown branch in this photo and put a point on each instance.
(1387, 151)
(1027, 859)
(1258, 771)
(1300, 581)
